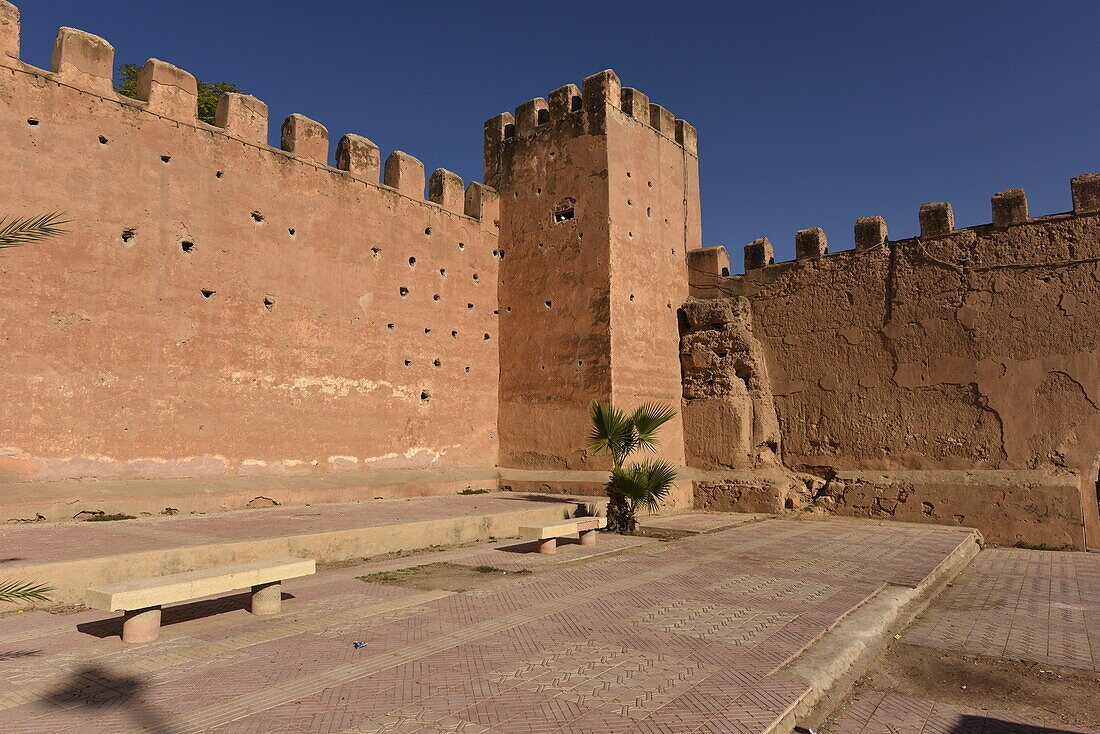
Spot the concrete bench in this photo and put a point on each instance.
(141, 600)
(547, 533)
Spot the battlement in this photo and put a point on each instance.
(583, 108)
(936, 219)
(86, 62)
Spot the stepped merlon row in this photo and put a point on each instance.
(86, 62)
(596, 91)
(936, 220)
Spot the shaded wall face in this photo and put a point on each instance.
(555, 318)
(221, 308)
(654, 205)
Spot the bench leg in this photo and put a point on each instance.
(548, 545)
(267, 598)
(588, 537)
(141, 625)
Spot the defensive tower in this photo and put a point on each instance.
(599, 205)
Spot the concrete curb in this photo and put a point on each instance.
(71, 579)
(835, 661)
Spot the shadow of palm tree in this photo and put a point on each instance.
(98, 689)
(176, 614)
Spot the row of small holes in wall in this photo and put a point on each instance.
(35, 121)
(427, 330)
(435, 363)
(403, 291)
(550, 304)
(648, 210)
(542, 366)
(208, 293)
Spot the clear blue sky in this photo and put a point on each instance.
(809, 113)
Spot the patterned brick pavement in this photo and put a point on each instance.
(699, 522)
(889, 713)
(680, 636)
(1020, 604)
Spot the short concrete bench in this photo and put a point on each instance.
(547, 533)
(141, 600)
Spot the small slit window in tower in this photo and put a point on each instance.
(725, 272)
(543, 117)
(574, 104)
(509, 131)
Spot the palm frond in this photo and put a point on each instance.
(647, 419)
(29, 230)
(646, 484)
(23, 590)
(610, 430)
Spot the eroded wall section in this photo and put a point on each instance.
(957, 351)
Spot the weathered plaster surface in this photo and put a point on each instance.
(979, 348)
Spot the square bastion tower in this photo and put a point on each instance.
(599, 205)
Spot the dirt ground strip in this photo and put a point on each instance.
(680, 636)
(1010, 647)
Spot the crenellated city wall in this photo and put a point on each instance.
(912, 374)
(220, 307)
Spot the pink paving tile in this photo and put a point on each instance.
(1025, 604)
(890, 713)
(672, 637)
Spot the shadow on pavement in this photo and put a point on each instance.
(176, 614)
(102, 691)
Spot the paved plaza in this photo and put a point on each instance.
(1039, 607)
(1020, 604)
(644, 636)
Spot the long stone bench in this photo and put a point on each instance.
(142, 599)
(547, 533)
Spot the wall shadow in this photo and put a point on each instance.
(176, 614)
(987, 725)
(562, 500)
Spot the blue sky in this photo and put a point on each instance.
(809, 113)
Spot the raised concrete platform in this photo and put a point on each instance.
(68, 499)
(693, 635)
(71, 556)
